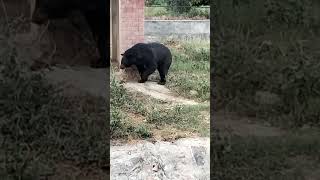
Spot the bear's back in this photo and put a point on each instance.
(160, 51)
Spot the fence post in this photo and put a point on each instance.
(34, 29)
(115, 11)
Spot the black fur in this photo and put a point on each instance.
(148, 58)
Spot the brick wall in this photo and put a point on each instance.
(131, 23)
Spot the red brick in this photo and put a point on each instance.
(131, 23)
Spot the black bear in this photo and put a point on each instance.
(96, 12)
(148, 57)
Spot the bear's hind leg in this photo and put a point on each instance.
(163, 70)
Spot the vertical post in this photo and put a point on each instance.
(32, 7)
(115, 8)
(34, 29)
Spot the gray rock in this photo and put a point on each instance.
(199, 154)
(183, 159)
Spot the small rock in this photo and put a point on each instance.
(198, 154)
(193, 93)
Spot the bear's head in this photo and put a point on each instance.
(129, 58)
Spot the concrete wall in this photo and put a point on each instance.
(156, 30)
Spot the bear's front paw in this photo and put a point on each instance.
(141, 81)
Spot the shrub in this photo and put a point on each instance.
(179, 6)
(200, 2)
(202, 12)
(155, 2)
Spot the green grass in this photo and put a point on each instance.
(181, 117)
(153, 114)
(190, 70)
(155, 11)
(121, 104)
(276, 52)
(194, 12)
(40, 127)
(293, 156)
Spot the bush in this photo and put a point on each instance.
(165, 2)
(156, 11)
(155, 2)
(202, 12)
(200, 2)
(179, 6)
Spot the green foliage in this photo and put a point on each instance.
(165, 2)
(185, 6)
(155, 2)
(179, 6)
(142, 131)
(200, 2)
(278, 56)
(165, 12)
(202, 12)
(156, 11)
